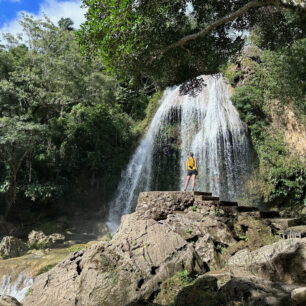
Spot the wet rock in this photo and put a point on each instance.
(12, 247)
(6, 300)
(299, 295)
(283, 261)
(141, 255)
(37, 239)
(253, 291)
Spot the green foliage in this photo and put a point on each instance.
(30, 290)
(65, 125)
(76, 248)
(279, 77)
(129, 36)
(108, 237)
(216, 212)
(194, 207)
(274, 28)
(149, 113)
(231, 72)
(285, 74)
(188, 231)
(18, 135)
(66, 24)
(184, 277)
(240, 234)
(39, 245)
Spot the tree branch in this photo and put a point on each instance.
(293, 4)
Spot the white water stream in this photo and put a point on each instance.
(210, 127)
(18, 289)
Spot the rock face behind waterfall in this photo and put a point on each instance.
(173, 237)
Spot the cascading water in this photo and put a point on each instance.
(17, 289)
(136, 177)
(206, 124)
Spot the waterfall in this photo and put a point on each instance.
(206, 124)
(17, 289)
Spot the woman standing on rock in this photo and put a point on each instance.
(192, 171)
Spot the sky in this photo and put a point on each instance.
(10, 12)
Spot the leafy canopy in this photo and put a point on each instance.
(165, 42)
(128, 34)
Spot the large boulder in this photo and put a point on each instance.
(254, 291)
(158, 204)
(141, 255)
(192, 225)
(37, 239)
(6, 300)
(207, 233)
(201, 292)
(284, 261)
(12, 247)
(299, 295)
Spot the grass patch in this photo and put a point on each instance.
(46, 268)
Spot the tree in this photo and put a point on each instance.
(169, 41)
(66, 24)
(61, 117)
(17, 139)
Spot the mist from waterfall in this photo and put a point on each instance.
(206, 124)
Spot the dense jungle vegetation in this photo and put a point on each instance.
(66, 127)
(74, 103)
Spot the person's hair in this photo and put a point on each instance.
(191, 154)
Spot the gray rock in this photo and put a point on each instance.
(283, 261)
(12, 247)
(157, 204)
(140, 256)
(299, 295)
(6, 300)
(39, 239)
(205, 248)
(253, 291)
(192, 224)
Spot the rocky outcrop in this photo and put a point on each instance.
(37, 239)
(12, 247)
(283, 261)
(174, 237)
(256, 231)
(6, 300)
(237, 291)
(140, 256)
(157, 205)
(254, 291)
